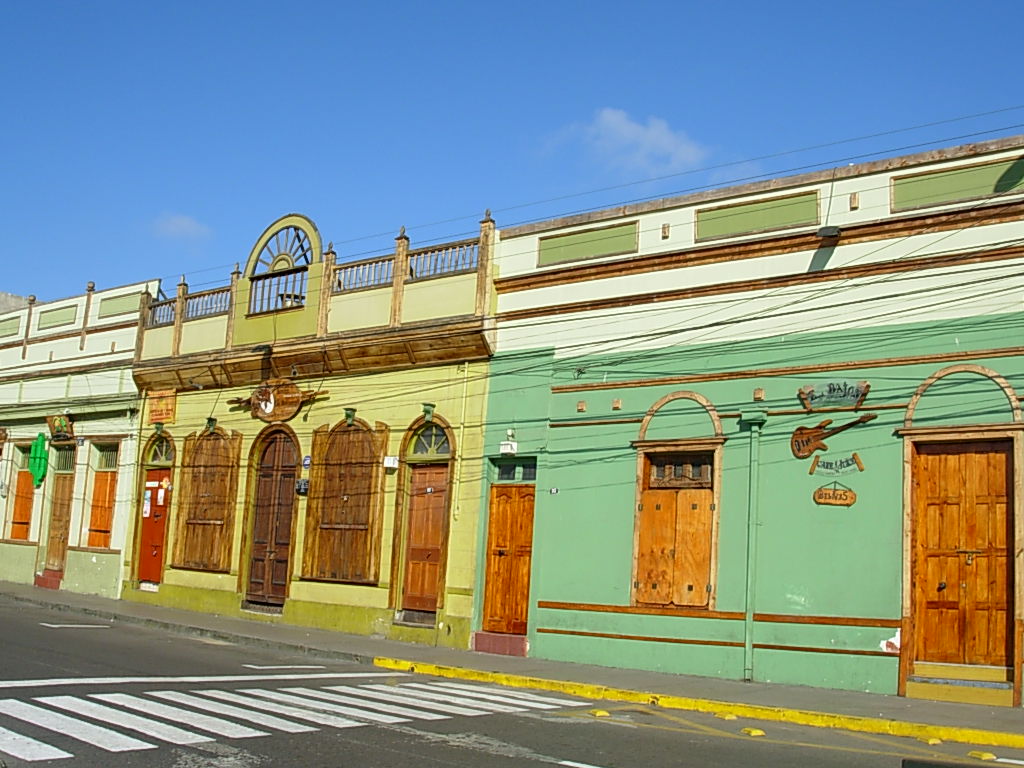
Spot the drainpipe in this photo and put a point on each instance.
(753, 421)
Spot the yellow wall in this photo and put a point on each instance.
(360, 309)
(156, 342)
(440, 297)
(204, 334)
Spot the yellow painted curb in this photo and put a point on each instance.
(755, 711)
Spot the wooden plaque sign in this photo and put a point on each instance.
(833, 394)
(276, 400)
(162, 405)
(61, 428)
(835, 495)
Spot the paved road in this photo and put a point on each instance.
(80, 692)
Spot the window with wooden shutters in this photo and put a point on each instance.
(104, 485)
(24, 495)
(675, 529)
(342, 508)
(206, 516)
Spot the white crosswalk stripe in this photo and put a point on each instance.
(305, 701)
(185, 717)
(104, 738)
(399, 698)
(394, 709)
(283, 709)
(431, 695)
(29, 750)
(127, 720)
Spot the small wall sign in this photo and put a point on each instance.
(836, 465)
(835, 495)
(833, 394)
(162, 406)
(807, 440)
(307, 462)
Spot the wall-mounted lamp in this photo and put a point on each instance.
(158, 427)
(211, 423)
(829, 232)
(295, 371)
(350, 416)
(428, 411)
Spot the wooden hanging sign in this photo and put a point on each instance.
(836, 465)
(807, 440)
(835, 495)
(61, 428)
(276, 400)
(834, 394)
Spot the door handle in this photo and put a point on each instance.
(942, 586)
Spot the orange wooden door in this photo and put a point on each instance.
(156, 500)
(962, 569)
(273, 510)
(101, 511)
(24, 495)
(509, 551)
(60, 520)
(425, 541)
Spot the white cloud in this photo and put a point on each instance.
(651, 148)
(180, 227)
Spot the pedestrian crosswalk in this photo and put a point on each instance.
(127, 722)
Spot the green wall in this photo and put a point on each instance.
(811, 560)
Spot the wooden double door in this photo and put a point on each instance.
(273, 513)
(509, 552)
(963, 565)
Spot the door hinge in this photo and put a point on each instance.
(712, 507)
(707, 589)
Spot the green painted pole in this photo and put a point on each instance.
(754, 421)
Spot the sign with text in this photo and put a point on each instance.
(162, 405)
(833, 394)
(835, 495)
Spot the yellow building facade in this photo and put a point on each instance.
(311, 438)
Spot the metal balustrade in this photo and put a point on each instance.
(161, 313)
(447, 259)
(371, 273)
(216, 301)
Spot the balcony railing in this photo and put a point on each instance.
(447, 259)
(161, 313)
(357, 275)
(216, 301)
(277, 290)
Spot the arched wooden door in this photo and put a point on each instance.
(427, 532)
(273, 511)
(156, 502)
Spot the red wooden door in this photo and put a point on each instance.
(156, 500)
(425, 540)
(509, 551)
(273, 510)
(60, 520)
(962, 567)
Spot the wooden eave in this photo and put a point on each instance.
(452, 340)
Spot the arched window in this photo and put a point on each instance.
(430, 442)
(161, 452)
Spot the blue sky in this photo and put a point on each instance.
(145, 139)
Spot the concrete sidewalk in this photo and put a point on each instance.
(865, 712)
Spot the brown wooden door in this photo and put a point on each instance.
(962, 569)
(60, 520)
(156, 500)
(274, 507)
(425, 541)
(24, 496)
(509, 550)
(673, 546)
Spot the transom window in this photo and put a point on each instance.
(161, 452)
(106, 457)
(430, 442)
(63, 459)
(520, 470)
(680, 470)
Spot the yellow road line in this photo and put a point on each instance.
(755, 711)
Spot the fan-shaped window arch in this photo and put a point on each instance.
(160, 452)
(343, 520)
(430, 443)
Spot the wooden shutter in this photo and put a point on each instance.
(209, 500)
(343, 500)
(23, 496)
(655, 547)
(102, 511)
(693, 547)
